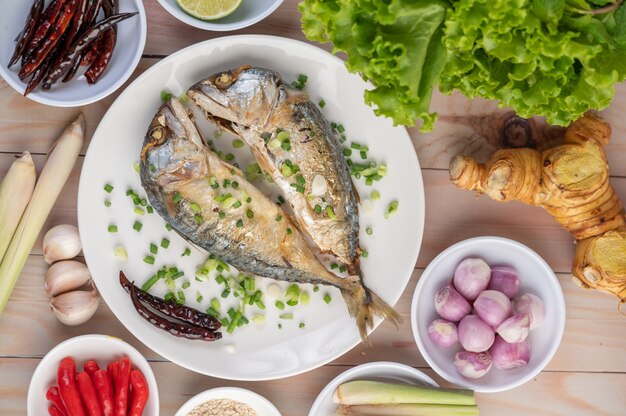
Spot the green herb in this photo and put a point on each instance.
(168, 227)
(316, 288)
(289, 231)
(300, 83)
(249, 213)
(322, 103)
(169, 296)
(235, 184)
(181, 296)
(330, 212)
(279, 217)
(187, 252)
(317, 208)
(137, 167)
(149, 209)
(213, 182)
(364, 254)
(166, 95)
(108, 188)
(286, 316)
(237, 204)
(112, 228)
(186, 285)
(139, 211)
(177, 197)
(347, 152)
(301, 325)
(165, 243)
(148, 259)
(239, 223)
(153, 248)
(107, 203)
(198, 219)
(248, 200)
(137, 226)
(327, 298)
(195, 207)
(333, 266)
(279, 305)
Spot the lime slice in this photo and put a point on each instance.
(209, 9)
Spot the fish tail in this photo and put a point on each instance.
(364, 305)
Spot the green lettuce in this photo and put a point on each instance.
(552, 58)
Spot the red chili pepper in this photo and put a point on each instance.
(68, 389)
(53, 397)
(90, 367)
(112, 370)
(121, 387)
(46, 47)
(104, 388)
(140, 393)
(88, 394)
(53, 411)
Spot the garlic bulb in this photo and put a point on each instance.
(77, 307)
(64, 276)
(61, 243)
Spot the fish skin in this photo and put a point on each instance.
(174, 160)
(257, 102)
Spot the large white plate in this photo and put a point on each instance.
(255, 352)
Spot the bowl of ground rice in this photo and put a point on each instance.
(228, 401)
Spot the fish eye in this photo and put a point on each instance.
(158, 135)
(223, 80)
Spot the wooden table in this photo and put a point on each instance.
(587, 376)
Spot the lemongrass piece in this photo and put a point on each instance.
(407, 410)
(65, 276)
(61, 160)
(61, 242)
(15, 192)
(76, 307)
(375, 392)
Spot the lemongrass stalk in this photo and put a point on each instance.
(407, 410)
(15, 192)
(61, 160)
(374, 392)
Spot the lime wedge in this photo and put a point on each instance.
(209, 9)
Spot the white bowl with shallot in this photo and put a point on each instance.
(488, 314)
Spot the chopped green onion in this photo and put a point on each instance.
(279, 217)
(137, 167)
(177, 197)
(166, 95)
(237, 204)
(327, 298)
(322, 103)
(369, 231)
(187, 252)
(199, 297)
(120, 253)
(333, 266)
(286, 170)
(137, 226)
(168, 227)
(186, 285)
(238, 143)
(225, 183)
(258, 318)
(153, 248)
(112, 228)
(300, 180)
(165, 243)
(213, 182)
(215, 304)
(198, 218)
(281, 200)
(301, 325)
(318, 208)
(249, 213)
(177, 275)
(363, 154)
(342, 268)
(181, 296)
(235, 184)
(169, 296)
(239, 223)
(286, 145)
(289, 231)
(149, 209)
(148, 259)
(138, 211)
(279, 305)
(195, 207)
(248, 200)
(144, 202)
(221, 214)
(107, 203)
(391, 209)
(108, 188)
(340, 128)
(305, 298)
(330, 212)
(225, 293)
(149, 283)
(364, 254)
(316, 288)
(347, 152)
(286, 316)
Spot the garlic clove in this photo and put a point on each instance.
(64, 276)
(367, 207)
(319, 185)
(77, 307)
(61, 243)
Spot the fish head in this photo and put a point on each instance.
(170, 150)
(245, 96)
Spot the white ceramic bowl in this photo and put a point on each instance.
(260, 404)
(131, 38)
(101, 348)
(247, 14)
(536, 277)
(378, 371)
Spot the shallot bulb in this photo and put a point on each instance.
(493, 307)
(515, 329)
(450, 304)
(474, 334)
(443, 333)
(532, 306)
(504, 279)
(471, 277)
(507, 356)
(472, 364)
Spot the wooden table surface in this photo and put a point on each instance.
(587, 376)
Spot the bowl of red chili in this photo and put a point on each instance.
(93, 371)
(68, 53)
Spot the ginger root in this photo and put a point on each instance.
(571, 182)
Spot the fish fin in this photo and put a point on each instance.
(364, 305)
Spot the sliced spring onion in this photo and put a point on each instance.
(168, 227)
(317, 208)
(199, 297)
(316, 288)
(195, 207)
(258, 318)
(279, 217)
(108, 188)
(322, 103)
(137, 226)
(166, 95)
(365, 254)
(198, 218)
(149, 209)
(177, 197)
(305, 298)
(137, 167)
(150, 282)
(239, 223)
(238, 143)
(138, 211)
(107, 203)
(112, 228)
(120, 253)
(165, 243)
(391, 209)
(330, 212)
(327, 298)
(333, 266)
(301, 325)
(369, 231)
(279, 305)
(286, 316)
(181, 296)
(187, 252)
(289, 231)
(153, 248)
(342, 268)
(249, 213)
(186, 285)
(148, 260)
(215, 304)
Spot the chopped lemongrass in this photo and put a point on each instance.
(148, 260)
(286, 316)
(369, 231)
(391, 209)
(186, 285)
(150, 282)
(107, 203)
(120, 253)
(137, 226)
(112, 228)
(165, 243)
(238, 143)
(153, 248)
(138, 211)
(108, 188)
(327, 298)
(187, 252)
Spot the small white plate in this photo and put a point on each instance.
(376, 371)
(253, 352)
(536, 277)
(247, 14)
(101, 348)
(260, 404)
(131, 38)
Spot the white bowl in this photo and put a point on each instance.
(131, 38)
(247, 14)
(101, 348)
(378, 371)
(536, 277)
(260, 404)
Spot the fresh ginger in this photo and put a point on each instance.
(571, 182)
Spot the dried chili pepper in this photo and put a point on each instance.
(173, 309)
(39, 74)
(47, 20)
(105, 47)
(79, 46)
(28, 31)
(47, 46)
(175, 328)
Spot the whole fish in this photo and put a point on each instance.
(294, 143)
(210, 203)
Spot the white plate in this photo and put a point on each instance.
(536, 277)
(247, 14)
(257, 351)
(131, 38)
(260, 404)
(377, 371)
(101, 348)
